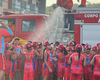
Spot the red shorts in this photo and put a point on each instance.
(2, 62)
(60, 70)
(88, 75)
(28, 76)
(68, 6)
(95, 77)
(76, 76)
(46, 73)
(20, 64)
(12, 74)
(7, 70)
(67, 74)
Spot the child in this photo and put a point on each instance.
(7, 55)
(13, 63)
(94, 50)
(35, 46)
(15, 42)
(96, 63)
(47, 65)
(40, 61)
(77, 61)
(67, 68)
(61, 62)
(88, 68)
(28, 67)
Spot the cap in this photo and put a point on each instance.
(71, 43)
(28, 45)
(47, 43)
(88, 46)
(98, 44)
(61, 47)
(78, 46)
(70, 49)
(94, 48)
(35, 44)
(98, 47)
(17, 38)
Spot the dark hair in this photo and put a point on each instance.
(29, 41)
(43, 53)
(10, 21)
(57, 43)
(79, 51)
(40, 44)
(74, 43)
(12, 48)
(65, 52)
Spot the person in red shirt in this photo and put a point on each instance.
(96, 63)
(47, 65)
(3, 33)
(61, 62)
(83, 3)
(88, 68)
(40, 61)
(94, 50)
(13, 63)
(29, 58)
(77, 62)
(35, 46)
(67, 67)
(7, 55)
(67, 4)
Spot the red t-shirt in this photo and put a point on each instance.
(28, 56)
(88, 68)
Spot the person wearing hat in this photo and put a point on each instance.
(15, 43)
(28, 67)
(47, 65)
(67, 67)
(88, 68)
(77, 62)
(61, 61)
(95, 62)
(94, 50)
(35, 46)
(3, 33)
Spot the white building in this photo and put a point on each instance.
(26, 6)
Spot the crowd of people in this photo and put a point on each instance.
(57, 62)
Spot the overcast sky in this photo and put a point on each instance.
(50, 2)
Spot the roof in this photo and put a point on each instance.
(24, 16)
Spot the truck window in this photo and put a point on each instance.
(28, 25)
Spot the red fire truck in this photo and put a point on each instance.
(82, 26)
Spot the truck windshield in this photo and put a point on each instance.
(28, 25)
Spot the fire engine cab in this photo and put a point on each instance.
(82, 26)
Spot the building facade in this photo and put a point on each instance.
(26, 6)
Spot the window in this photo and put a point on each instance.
(32, 7)
(29, 26)
(23, 5)
(0, 3)
(13, 4)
